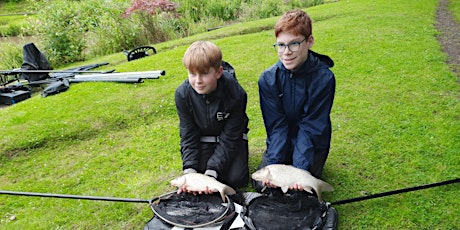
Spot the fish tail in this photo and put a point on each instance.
(326, 187)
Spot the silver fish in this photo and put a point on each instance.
(286, 175)
(198, 182)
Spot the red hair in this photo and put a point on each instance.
(296, 22)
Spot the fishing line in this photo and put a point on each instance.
(377, 195)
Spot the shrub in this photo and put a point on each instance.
(62, 28)
(109, 32)
(152, 7)
(158, 18)
(74, 30)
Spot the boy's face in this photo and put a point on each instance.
(204, 83)
(298, 53)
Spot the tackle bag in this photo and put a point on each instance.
(14, 97)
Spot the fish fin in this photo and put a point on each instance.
(308, 188)
(222, 195)
(285, 189)
(229, 190)
(326, 187)
(319, 197)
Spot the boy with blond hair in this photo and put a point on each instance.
(211, 106)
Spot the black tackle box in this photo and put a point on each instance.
(14, 97)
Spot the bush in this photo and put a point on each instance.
(108, 32)
(158, 18)
(74, 30)
(62, 28)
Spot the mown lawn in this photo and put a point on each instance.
(395, 125)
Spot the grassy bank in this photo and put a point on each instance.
(395, 125)
(14, 19)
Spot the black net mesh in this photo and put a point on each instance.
(191, 211)
(290, 211)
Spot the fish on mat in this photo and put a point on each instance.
(286, 175)
(197, 182)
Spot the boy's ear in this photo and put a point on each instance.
(219, 72)
(311, 41)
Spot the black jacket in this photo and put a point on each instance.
(296, 110)
(223, 114)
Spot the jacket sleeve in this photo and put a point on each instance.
(189, 131)
(315, 125)
(275, 120)
(231, 135)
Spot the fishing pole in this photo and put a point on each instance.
(66, 196)
(135, 200)
(377, 195)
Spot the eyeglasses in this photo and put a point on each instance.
(293, 46)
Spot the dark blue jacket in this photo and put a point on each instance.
(295, 108)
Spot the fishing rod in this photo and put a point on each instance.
(66, 196)
(410, 189)
(135, 200)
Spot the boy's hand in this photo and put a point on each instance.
(183, 189)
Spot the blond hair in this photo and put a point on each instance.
(202, 55)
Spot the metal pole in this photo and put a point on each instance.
(107, 79)
(125, 75)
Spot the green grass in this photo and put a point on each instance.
(454, 7)
(14, 19)
(395, 125)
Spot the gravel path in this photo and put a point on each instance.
(449, 35)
